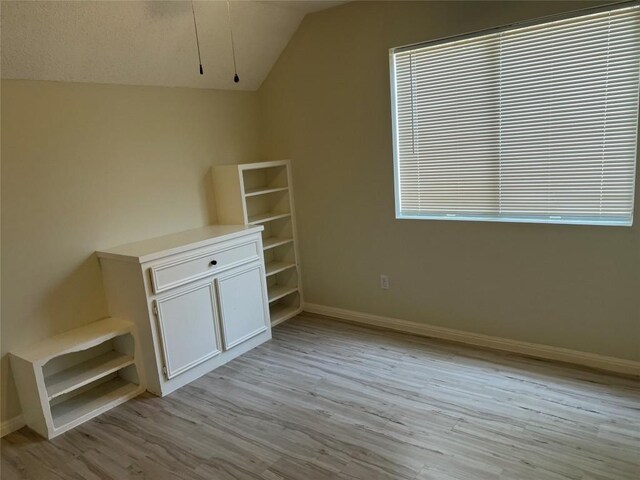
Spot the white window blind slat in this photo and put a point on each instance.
(529, 124)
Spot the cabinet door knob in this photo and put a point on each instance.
(213, 262)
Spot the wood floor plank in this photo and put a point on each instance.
(330, 400)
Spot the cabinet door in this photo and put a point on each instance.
(188, 327)
(243, 304)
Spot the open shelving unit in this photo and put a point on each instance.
(70, 378)
(262, 193)
(83, 374)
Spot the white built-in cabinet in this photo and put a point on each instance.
(70, 378)
(262, 194)
(198, 298)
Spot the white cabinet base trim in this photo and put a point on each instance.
(546, 352)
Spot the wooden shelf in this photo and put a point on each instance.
(273, 242)
(278, 291)
(267, 217)
(276, 267)
(93, 401)
(85, 373)
(260, 165)
(263, 191)
(78, 339)
(280, 313)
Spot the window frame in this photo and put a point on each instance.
(491, 218)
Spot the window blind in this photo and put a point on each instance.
(535, 123)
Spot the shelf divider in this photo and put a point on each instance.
(276, 267)
(84, 373)
(278, 291)
(251, 192)
(272, 242)
(267, 217)
(93, 401)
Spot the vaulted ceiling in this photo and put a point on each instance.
(147, 42)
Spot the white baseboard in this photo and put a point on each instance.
(11, 425)
(601, 362)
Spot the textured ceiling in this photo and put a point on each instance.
(147, 42)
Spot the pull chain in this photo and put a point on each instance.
(195, 27)
(236, 78)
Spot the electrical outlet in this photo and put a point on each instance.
(384, 282)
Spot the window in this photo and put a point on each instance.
(534, 123)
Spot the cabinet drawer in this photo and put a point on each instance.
(194, 267)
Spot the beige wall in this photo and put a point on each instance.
(326, 106)
(92, 166)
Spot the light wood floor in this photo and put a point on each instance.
(326, 400)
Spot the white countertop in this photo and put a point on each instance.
(154, 248)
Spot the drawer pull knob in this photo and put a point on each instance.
(213, 262)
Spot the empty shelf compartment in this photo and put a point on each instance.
(272, 242)
(93, 401)
(263, 179)
(280, 313)
(86, 372)
(278, 291)
(251, 192)
(276, 267)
